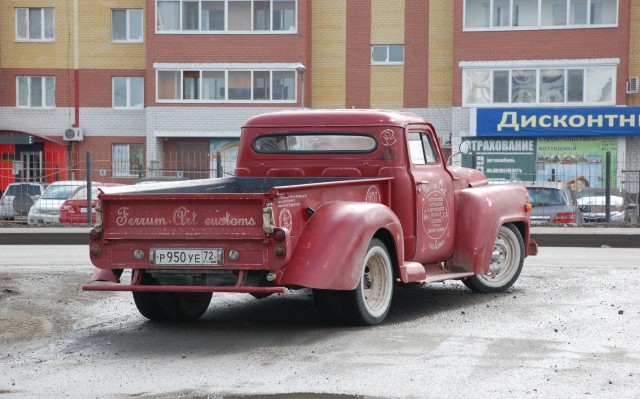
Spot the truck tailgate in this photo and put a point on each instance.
(182, 216)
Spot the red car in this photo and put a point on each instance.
(74, 210)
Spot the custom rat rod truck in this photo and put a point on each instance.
(347, 203)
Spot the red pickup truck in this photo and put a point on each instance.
(348, 203)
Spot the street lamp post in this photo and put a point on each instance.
(301, 70)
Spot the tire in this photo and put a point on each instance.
(22, 203)
(507, 260)
(370, 302)
(170, 306)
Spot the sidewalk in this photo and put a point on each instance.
(616, 237)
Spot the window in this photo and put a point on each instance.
(421, 149)
(315, 143)
(126, 25)
(36, 91)
(34, 24)
(128, 93)
(127, 160)
(389, 54)
(542, 14)
(552, 85)
(226, 85)
(226, 16)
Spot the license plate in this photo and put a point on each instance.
(186, 257)
(83, 210)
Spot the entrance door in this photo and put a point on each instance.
(193, 160)
(435, 215)
(31, 164)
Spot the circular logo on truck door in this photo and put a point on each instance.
(435, 214)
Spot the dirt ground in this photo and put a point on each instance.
(569, 328)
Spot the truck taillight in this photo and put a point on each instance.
(565, 217)
(279, 234)
(95, 235)
(279, 251)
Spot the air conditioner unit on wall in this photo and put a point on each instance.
(73, 134)
(633, 85)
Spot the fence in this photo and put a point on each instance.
(577, 172)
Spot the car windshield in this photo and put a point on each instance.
(16, 189)
(540, 196)
(601, 200)
(81, 193)
(314, 143)
(59, 192)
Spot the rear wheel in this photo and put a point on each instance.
(170, 306)
(370, 302)
(507, 260)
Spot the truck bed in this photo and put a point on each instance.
(230, 185)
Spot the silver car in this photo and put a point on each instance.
(18, 198)
(47, 208)
(553, 203)
(623, 207)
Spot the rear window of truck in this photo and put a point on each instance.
(314, 143)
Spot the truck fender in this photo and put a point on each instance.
(481, 212)
(330, 251)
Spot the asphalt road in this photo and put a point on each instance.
(569, 328)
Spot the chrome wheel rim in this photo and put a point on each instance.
(504, 260)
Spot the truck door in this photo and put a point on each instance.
(435, 211)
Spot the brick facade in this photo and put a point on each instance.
(333, 41)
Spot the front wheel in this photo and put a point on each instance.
(170, 306)
(507, 260)
(370, 302)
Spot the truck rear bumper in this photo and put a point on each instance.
(182, 288)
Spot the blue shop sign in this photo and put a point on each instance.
(558, 122)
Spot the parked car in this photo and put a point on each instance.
(74, 209)
(623, 206)
(553, 203)
(18, 198)
(47, 208)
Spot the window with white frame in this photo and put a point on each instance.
(387, 54)
(34, 24)
(521, 86)
(128, 92)
(127, 160)
(36, 91)
(226, 16)
(126, 25)
(202, 85)
(539, 14)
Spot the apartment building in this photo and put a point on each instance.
(155, 87)
(548, 87)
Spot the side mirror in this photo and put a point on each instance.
(463, 149)
(585, 209)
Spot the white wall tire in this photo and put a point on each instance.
(506, 263)
(369, 303)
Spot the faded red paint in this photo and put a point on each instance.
(425, 214)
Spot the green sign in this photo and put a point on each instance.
(579, 158)
(502, 159)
